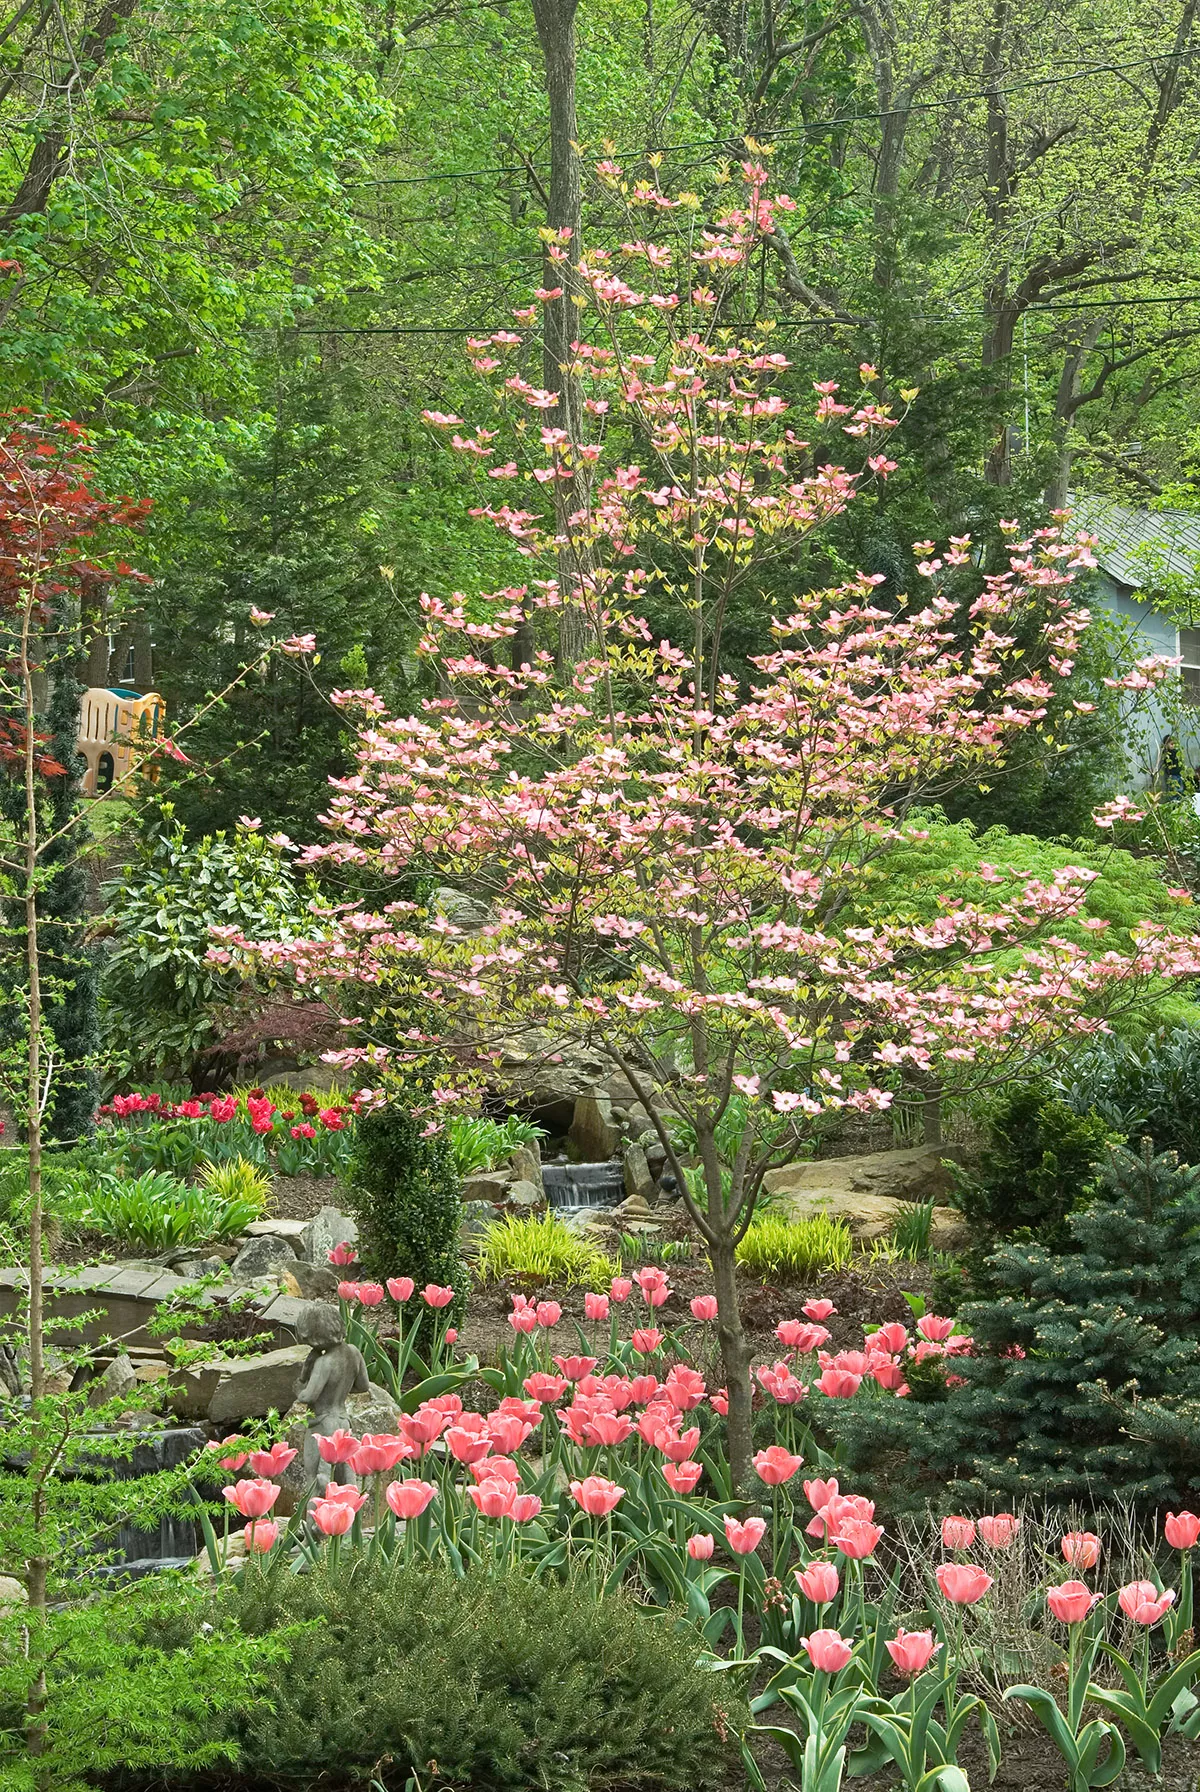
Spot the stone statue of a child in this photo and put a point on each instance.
(333, 1370)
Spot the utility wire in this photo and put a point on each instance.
(782, 135)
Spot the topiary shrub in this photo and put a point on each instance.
(403, 1191)
(1040, 1161)
(1084, 1383)
(504, 1682)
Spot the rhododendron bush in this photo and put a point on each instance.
(669, 850)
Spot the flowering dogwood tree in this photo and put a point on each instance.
(671, 854)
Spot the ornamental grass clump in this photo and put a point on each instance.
(779, 1249)
(540, 1248)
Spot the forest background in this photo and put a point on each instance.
(245, 245)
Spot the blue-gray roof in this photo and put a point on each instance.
(1140, 547)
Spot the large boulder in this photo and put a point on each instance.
(329, 1228)
(526, 1164)
(638, 1180)
(524, 1196)
(262, 1257)
(249, 1388)
(594, 1134)
(868, 1192)
(487, 1185)
(310, 1281)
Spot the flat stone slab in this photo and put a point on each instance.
(120, 1301)
(276, 1228)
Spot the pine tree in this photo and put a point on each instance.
(1085, 1382)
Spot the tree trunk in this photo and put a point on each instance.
(735, 1355)
(1066, 406)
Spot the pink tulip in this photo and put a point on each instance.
(784, 1388)
(253, 1499)
(400, 1288)
(493, 1498)
(377, 1454)
(338, 1447)
(545, 1388)
(527, 1410)
(1182, 1529)
(335, 1495)
(496, 1468)
(331, 1517)
(776, 1465)
(370, 1294)
(608, 1428)
(620, 1288)
(744, 1535)
(271, 1462)
(408, 1499)
(508, 1431)
(1142, 1602)
(347, 1291)
(575, 1367)
(261, 1536)
(684, 1387)
(1081, 1549)
(818, 1309)
(819, 1582)
(646, 1340)
(676, 1448)
(958, 1533)
(858, 1538)
(682, 1476)
(891, 1337)
(596, 1495)
(912, 1650)
(801, 1336)
(343, 1253)
(595, 1306)
(451, 1334)
(819, 1493)
(1071, 1602)
(827, 1651)
(935, 1329)
(643, 1388)
(999, 1530)
(961, 1583)
(839, 1384)
(700, 1546)
(465, 1446)
(524, 1507)
(547, 1313)
(704, 1307)
(523, 1319)
(719, 1401)
(233, 1462)
(433, 1296)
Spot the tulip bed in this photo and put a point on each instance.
(605, 1458)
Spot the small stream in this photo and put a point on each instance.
(570, 1188)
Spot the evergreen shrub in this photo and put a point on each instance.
(504, 1682)
(1039, 1161)
(1085, 1379)
(403, 1190)
(1149, 1090)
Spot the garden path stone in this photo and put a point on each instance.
(329, 1228)
(261, 1257)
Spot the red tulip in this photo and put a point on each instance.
(1143, 1603)
(433, 1296)
(338, 1447)
(493, 1498)
(961, 1583)
(261, 1535)
(958, 1533)
(646, 1340)
(818, 1309)
(999, 1530)
(595, 1306)
(682, 1476)
(744, 1535)
(253, 1499)
(827, 1651)
(596, 1495)
(700, 1546)
(408, 1499)
(1071, 1602)
(380, 1452)
(331, 1517)
(575, 1367)
(912, 1650)
(858, 1538)
(1081, 1549)
(271, 1462)
(1182, 1529)
(776, 1465)
(704, 1307)
(400, 1288)
(819, 1582)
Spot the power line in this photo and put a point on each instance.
(798, 131)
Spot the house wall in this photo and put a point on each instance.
(1146, 630)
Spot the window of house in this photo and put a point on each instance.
(1189, 670)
